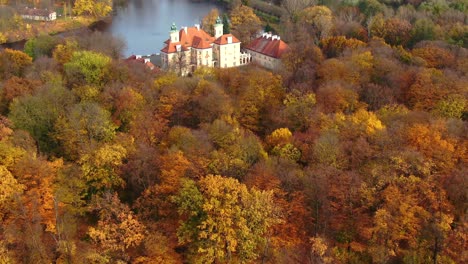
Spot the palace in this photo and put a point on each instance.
(192, 47)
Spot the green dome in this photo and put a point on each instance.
(173, 27)
(218, 20)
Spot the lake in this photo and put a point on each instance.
(145, 24)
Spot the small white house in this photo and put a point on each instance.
(38, 14)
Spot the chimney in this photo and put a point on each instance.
(197, 26)
(279, 38)
(137, 57)
(185, 29)
(264, 35)
(229, 39)
(178, 47)
(274, 37)
(147, 60)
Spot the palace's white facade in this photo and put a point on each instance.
(191, 48)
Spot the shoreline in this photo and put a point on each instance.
(60, 27)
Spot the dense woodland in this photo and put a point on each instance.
(355, 152)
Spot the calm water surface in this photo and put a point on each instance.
(145, 24)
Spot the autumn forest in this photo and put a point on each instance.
(354, 152)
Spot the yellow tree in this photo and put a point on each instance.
(96, 8)
(158, 249)
(319, 19)
(31, 219)
(431, 142)
(209, 20)
(14, 62)
(244, 23)
(155, 202)
(260, 100)
(9, 187)
(118, 229)
(280, 143)
(100, 168)
(412, 222)
(224, 220)
(334, 98)
(63, 53)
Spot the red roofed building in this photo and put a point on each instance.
(267, 51)
(145, 60)
(191, 47)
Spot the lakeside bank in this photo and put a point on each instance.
(60, 27)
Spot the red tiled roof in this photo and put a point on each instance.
(187, 37)
(269, 47)
(172, 47)
(148, 64)
(224, 39)
(190, 37)
(199, 43)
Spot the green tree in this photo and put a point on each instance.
(226, 24)
(87, 67)
(38, 113)
(371, 7)
(452, 107)
(40, 46)
(81, 129)
(424, 29)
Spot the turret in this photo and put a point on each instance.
(174, 33)
(218, 28)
